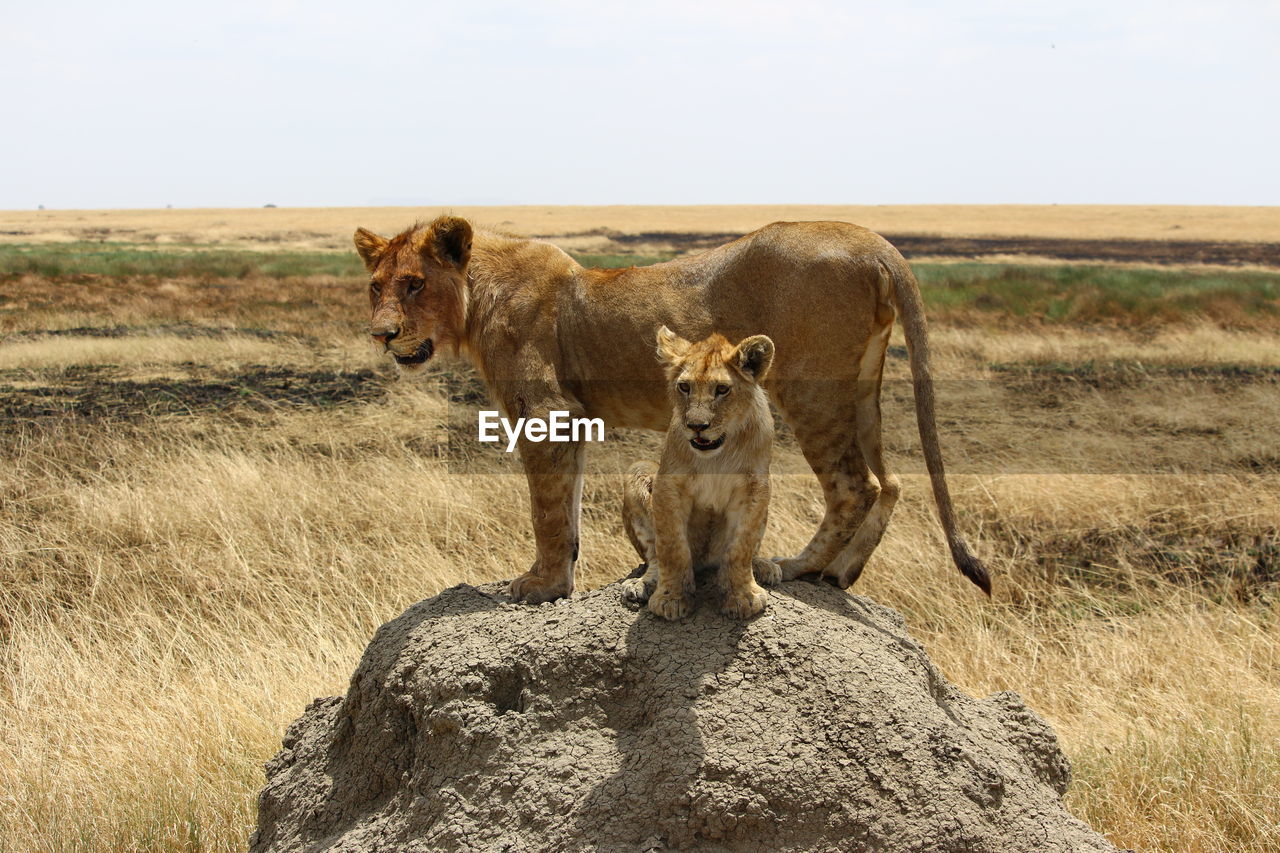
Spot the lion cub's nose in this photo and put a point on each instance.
(697, 427)
(385, 335)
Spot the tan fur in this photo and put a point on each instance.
(704, 507)
(548, 334)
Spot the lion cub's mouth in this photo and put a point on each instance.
(418, 356)
(704, 444)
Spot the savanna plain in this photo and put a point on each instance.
(213, 491)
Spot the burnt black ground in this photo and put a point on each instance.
(107, 393)
(1227, 253)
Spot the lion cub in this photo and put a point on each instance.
(705, 504)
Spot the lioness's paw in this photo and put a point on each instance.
(767, 572)
(790, 568)
(670, 605)
(745, 602)
(636, 591)
(846, 578)
(535, 589)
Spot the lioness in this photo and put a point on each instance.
(547, 334)
(707, 501)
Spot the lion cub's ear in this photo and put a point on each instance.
(449, 239)
(370, 246)
(671, 347)
(754, 356)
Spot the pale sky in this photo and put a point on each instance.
(239, 104)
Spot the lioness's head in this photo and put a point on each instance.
(715, 386)
(417, 287)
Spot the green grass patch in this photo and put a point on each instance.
(613, 262)
(1097, 294)
(1054, 294)
(125, 260)
(71, 260)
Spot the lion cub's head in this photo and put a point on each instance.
(715, 386)
(417, 288)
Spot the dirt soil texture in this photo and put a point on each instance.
(473, 723)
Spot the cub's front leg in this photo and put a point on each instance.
(745, 522)
(673, 596)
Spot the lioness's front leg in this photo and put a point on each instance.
(673, 597)
(554, 471)
(745, 522)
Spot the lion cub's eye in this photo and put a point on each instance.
(414, 287)
(721, 390)
(683, 386)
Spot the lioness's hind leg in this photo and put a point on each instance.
(848, 564)
(869, 447)
(822, 414)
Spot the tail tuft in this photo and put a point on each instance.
(970, 566)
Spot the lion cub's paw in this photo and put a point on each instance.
(533, 588)
(670, 605)
(636, 590)
(767, 572)
(744, 602)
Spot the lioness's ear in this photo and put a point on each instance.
(449, 239)
(671, 347)
(370, 246)
(755, 356)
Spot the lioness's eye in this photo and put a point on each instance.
(373, 285)
(721, 390)
(684, 387)
(414, 287)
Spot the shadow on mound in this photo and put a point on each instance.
(474, 723)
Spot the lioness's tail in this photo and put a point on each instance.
(906, 295)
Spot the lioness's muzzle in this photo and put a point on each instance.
(421, 354)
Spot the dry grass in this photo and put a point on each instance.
(1195, 344)
(174, 590)
(74, 350)
(332, 227)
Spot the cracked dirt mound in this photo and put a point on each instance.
(476, 724)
